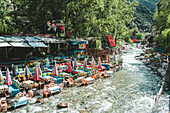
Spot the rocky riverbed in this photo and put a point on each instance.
(131, 90)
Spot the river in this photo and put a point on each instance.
(131, 90)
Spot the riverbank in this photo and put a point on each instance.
(132, 89)
(158, 63)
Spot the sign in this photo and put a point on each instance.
(82, 46)
(111, 41)
(79, 53)
(55, 26)
(79, 42)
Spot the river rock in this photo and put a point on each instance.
(62, 105)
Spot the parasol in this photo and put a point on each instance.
(55, 70)
(8, 78)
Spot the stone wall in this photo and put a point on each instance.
(97, 53)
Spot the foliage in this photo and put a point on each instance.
(140, 36)
(163, 39)
(162, 18)
(162, 15)
(98, 44)
(83, 18)
(4, 16)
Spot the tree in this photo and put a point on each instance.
(84, 18)
(162, 18)
(162, 15)
(4, 16)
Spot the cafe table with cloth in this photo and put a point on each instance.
(54, 89)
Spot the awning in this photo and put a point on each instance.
(4, 44)
(19, 44)
(110, 38)
(37, 44)
(134, 40)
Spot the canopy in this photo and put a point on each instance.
(14, 73)
(85, 63)
(47, 63)
(93, 62)
(75, 63)
(1, 76)
(8, 78)
(27, 72)
(69, 66)
(55, 70)
(36, 76)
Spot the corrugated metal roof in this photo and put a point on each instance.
(14, 39)
(27, 41)
(2, 39)
(33, 39)
(4, 44)
(19, 44)
(51, 40)
(37, 44)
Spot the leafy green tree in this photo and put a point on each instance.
(140, 36)
(4, 16)
(162, 18)
(84, 18)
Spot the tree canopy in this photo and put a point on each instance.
(83, 18)
(162, 24)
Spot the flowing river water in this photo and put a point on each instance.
(131, 90)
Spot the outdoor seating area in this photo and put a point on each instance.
(46, 79)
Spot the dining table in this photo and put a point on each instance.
(54, 89)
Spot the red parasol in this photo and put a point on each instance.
(99, 63)
(55, 71)
(8, 78)
(108, 59)
(69, 66)
(36, 76)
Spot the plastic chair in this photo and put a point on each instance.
(46, 93)
(93, 76)
(71, 82)
(3, 104)
(98, 75)
(105, 75)
(84, 81)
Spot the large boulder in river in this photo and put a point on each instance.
(62, 105)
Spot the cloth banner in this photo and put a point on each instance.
(110, 38)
